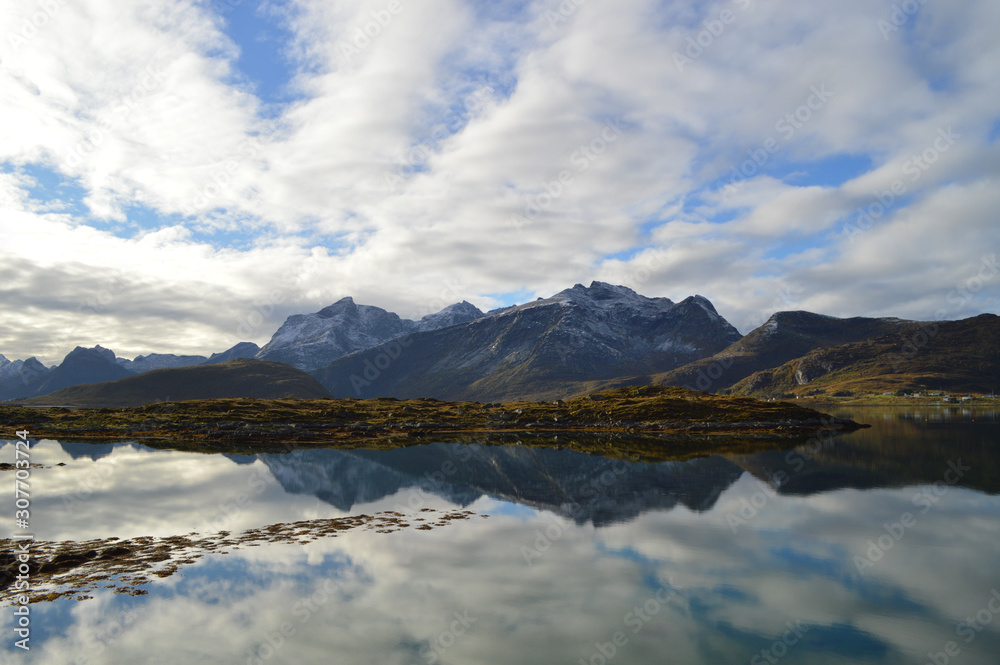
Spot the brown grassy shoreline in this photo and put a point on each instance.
(662, 417)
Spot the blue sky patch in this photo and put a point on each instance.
(831, 171)
(262, 62)
(52, 188)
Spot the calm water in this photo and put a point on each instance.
(879, 547)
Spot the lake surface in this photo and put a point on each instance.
(882, 546)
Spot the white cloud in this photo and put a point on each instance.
(405, 158)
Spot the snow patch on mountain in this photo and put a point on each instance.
(453, 315)
(312, 341)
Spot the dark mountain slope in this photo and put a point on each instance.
(236, 378)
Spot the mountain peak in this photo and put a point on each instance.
(310, 341)
(343, 306)
(98, 351)
(598, 291)
(460, 312)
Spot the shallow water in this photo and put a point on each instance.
(871, 547)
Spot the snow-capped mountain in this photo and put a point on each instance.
(311, 341)
(453, 315)
(580, 334)
(16, 377)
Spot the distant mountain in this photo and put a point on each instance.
(81, 366)
(453, 315)
(579, 341)
(783, 337)
(236, 378)
(958, 356)
(159, 361)
(537, 349)
(241, 350)
(311, 341)
(17, 377)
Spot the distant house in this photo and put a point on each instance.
(966, 398)
(935, 393)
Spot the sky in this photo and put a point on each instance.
(177, 176)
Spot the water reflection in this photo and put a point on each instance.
(581, 557)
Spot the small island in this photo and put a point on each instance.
(636, 422)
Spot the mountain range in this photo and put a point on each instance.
(538, 349)
(580, 340)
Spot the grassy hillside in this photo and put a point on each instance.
(784, 337)
(236, 378)
(954, 356)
